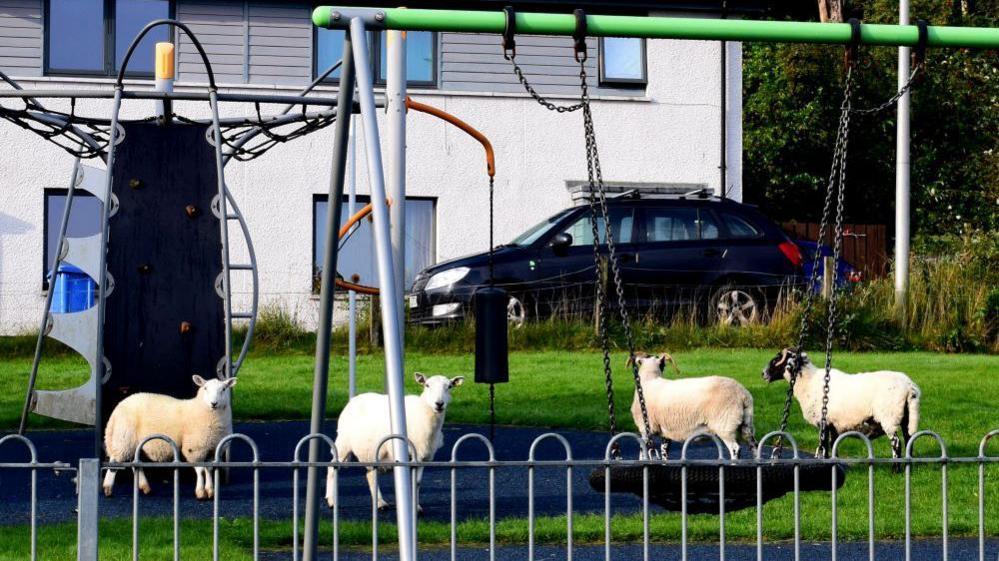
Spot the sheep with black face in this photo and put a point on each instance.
(872, 403)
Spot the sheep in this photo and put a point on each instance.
(364, 422)
(872, 403)
(196, 425)
(680, 408)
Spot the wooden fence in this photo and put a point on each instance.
(865, 246)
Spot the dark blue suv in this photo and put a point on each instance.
(721, 259)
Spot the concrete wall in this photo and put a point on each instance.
(670, 135)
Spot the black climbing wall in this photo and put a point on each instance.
(164, 321)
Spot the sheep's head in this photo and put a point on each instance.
(214, 393)
(437, 390)
(652, 366)
(779, 367)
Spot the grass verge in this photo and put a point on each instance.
(957, 403)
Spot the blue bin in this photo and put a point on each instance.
(73, 290)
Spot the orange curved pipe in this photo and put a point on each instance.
(471, 131)
(358, 216)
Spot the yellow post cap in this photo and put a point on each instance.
(164, 61)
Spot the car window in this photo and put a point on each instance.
(679, 224)
(622, 227)
(739, 227)
(708, 225)
(670, 224)
(538, 230)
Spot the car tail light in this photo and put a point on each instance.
(792, 252)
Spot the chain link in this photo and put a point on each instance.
(835, 187)
(898, 95)
(596, 184)
(492, 215)
(538, 97)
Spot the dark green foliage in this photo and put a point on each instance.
(792, 95)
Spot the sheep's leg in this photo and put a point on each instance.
(664, 448)
(376, 493)
(344, 454)
(330, 483)
(143, 483)
(109, 476)
(209, 483)
(733, 448)
(896, 451)
(419, 481)
(199, 486)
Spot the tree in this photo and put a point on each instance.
(831, 10)
(791, 104)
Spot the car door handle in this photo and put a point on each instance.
(629, 257)
(712, 252)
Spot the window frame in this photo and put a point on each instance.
(374, 57)
(623, 82)
(47, 194)
(363, 200)
(110, 64)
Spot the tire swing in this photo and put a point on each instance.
(745, 485)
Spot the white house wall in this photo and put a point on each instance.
(669, 135)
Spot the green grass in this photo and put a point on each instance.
(565, 389)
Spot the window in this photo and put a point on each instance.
(622, 228)
(84, 220)
(679, 224)
(622, 61)
(90, 37)
(421, 55)
(738, 227)
(356, 253)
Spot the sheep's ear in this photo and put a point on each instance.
(457, 381)
(420, 379)
(229, 383)
(198, 380)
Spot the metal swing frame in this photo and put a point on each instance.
(358, 19)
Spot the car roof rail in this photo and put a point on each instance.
(702, 193)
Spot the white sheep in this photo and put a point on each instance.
(872, 403)
(365, 421)
(196, 425)
(680, 408)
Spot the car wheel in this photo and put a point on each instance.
(516, 312)
(736, 306)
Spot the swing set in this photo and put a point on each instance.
(673, 485)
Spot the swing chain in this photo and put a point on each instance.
(492, 215)
(538, 97)
(836, 183)
(840, 179)
(599, 202)
(919, 67)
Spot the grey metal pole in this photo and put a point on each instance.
(36, 361)
(351, 295)
(395, 185)
(320, 378)
(902, 169)
(102, 282)
(391, 296)
(88, 480)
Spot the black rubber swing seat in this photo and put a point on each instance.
(702, 483)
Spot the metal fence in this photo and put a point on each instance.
(792, 459)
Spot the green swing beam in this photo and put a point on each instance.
(657, 27)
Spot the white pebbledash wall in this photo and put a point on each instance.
(671, 135)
